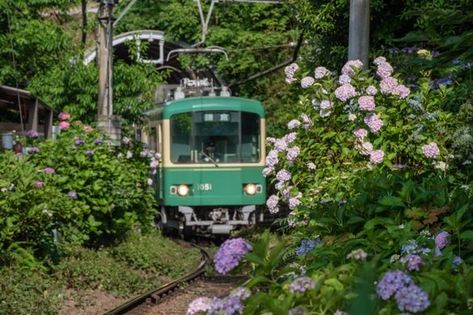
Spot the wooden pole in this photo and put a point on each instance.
(359, 31)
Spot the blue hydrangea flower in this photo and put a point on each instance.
(306, 246)
(230, 305)
(301, 284)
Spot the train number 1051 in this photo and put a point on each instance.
(205, 186)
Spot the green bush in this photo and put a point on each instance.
(77, 189)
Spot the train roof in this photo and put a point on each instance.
(202, 103)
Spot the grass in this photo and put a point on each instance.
(130, 268)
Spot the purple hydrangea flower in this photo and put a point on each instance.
(79, 141)
(301, 285)
(413, 262)
(283, 176)
(241, 293)
(290, 137)
(267, 171)
(391, 282)
(431, 150)
(321, 72)
(272, 158)
(230, 253)
(379, 60)
(72, 194)
(306, 121)
(89, 152)
(230, 305)
(457, 261)
(199, 305)
(293, 124)
(32, 134)
(272, 203)
(280, 144)
(366, 103)
(98, 141)
(49, 170)
(294, 202)
(292, 153)
(412, 299)
(441, 240)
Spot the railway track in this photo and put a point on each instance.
(180, 291)
(153, 296)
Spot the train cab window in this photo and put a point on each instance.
(215, 137)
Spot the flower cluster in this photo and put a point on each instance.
(230, 305)
(408, 296)
(431, 150)
(301, 285)
(306, 246)
(357, 254)
(230, 253)
(63, 124)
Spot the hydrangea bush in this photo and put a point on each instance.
(77, 188)
(378, 220)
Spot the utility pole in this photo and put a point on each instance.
(359, 31)
(106, 121)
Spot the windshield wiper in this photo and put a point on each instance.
(210, 158)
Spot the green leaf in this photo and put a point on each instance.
(391, 201)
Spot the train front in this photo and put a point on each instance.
(213, 159)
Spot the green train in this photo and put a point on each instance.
(213, 153)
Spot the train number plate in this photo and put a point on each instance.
(205, 186)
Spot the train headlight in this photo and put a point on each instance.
(250, 189)
(182, 190)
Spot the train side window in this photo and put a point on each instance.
(250, 140)
(152, 139)
(181, 133)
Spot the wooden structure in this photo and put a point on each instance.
(21, 111)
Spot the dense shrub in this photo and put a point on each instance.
(77, 188)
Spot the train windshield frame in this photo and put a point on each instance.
(215, 136)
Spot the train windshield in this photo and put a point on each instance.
(215, 137)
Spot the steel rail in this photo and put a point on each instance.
(156, 293)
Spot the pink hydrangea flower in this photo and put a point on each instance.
(376, 156)
(431, 150)
(384, 70)
(344, 79)
(321, 72)
(379, 60)
(326, 104)
(349, 67)
(64, 116)
(88, 128)
(373, 122)
(402, 90)
(345, 92)
(39, 184)
(371, 90)
(49, 170)
(388, 85)
(366, 103)
(306, 82)
(63, 125)
(360, 133)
